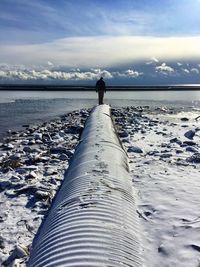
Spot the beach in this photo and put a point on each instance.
(162, 144)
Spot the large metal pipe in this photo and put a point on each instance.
(93, 219)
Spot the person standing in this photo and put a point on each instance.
(100, 88)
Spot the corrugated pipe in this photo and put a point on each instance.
(93, 219)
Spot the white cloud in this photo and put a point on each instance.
(53, 75)
(153, 60)
(132, 73)
(164, 69)
(186, 71)
(195, 70)
(101, 51)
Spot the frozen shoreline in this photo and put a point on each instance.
(161, 162)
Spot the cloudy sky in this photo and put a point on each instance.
(126, 41)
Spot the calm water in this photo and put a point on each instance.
(29, 107)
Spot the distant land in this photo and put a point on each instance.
(31, 87)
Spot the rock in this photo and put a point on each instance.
(123, 134)
(74, 129)
(19, 252)
(179, 151)
(190, 134)
(32, 175)
(41, 195)
(25, 142)
(8, 146)
(27, 149)
(31, 142)
(61, 150)
(15, 157)
(15, 178)
(38, 141)
(191, 149)
(37, 136)
(2, 243)
(135, 149)
(46, 137)
(63, 157)
(162, 249)
(195, 247)
(125, 140)
(165, 155)
(175, 140)
(189, 143)
(50, 172)
(16, 263)
(184, 119)
(195, 158)
(153, 153)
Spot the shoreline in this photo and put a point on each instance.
(160, 148)
(61, 87)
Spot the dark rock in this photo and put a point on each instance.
(74, 129)
(59, 150)
(41, 195)
(123, 134)
(184, 119)
(179, 151)
(2, 243)
(27, 149)
(175, 140)
(195, 247)
(162, 249)
(195, 158)
(191, 149)
(165, 155)
(135, 149)
(190, 134)
(4, 185)
(189, 143)
(63, 157)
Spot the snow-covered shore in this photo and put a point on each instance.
(164, 152)
(163, 148)
(33, 163)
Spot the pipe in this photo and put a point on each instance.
(92, 221)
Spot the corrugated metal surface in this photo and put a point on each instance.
(92, 221)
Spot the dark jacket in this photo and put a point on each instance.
(100, 85)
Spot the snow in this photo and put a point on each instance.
(165, 175)
(168, 188)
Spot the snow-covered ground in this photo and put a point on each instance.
(33, 163)
(165, 166)
(163, 148)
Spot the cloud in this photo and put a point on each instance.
(185, 71)
(20, 73)
(195, 70)
(101, 51)
(130, 73)
(164, 69)
(141, 73)
(46, 75)
(153, 60)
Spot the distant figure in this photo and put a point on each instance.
(101, 88)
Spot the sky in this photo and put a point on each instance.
(127, 41)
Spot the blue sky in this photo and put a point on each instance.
(38, 21)
(98, 33)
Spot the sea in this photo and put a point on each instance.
(20, 108)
